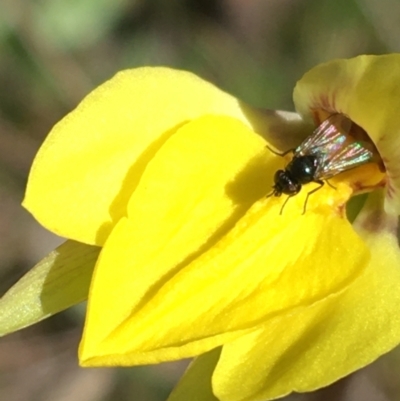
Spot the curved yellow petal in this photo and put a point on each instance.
(92, 160)
(182, 288)
(177, 213)
(195, 385)
(366, 89)
(247, 279)
(56, 283)
(315, 346)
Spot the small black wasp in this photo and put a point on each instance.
(329, 150)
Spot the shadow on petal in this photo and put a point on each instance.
(118, 206)
(282, 129)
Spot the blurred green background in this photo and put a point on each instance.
(53, 52)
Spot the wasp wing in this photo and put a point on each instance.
(335, 148)
(329, 137)
(350, 156)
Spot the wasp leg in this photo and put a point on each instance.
(284, 204)
(332, 186)
(321, 184)
(279, 154)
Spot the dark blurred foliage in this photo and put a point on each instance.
(53, 52)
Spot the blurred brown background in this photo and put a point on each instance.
(53, 52)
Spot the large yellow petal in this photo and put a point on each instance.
(91, 162)
(161, 291)
(247, 278)
(56, 283)
(178, 212)
(315, 346)
(367, 90)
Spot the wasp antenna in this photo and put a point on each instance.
(271, 193)
(278, 153)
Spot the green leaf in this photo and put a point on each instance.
(57, 282)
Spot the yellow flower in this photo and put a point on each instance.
(169, 176)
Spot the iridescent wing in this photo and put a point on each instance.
(350, 156)
(336, 149)
(329, 137)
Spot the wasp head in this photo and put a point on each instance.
(285, 184)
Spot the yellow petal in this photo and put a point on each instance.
(199, 183)
(234, 287)
(57, 282)
(195, 385)
(365, 89)
(315, 346)
(173, 297)
(91, 162)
